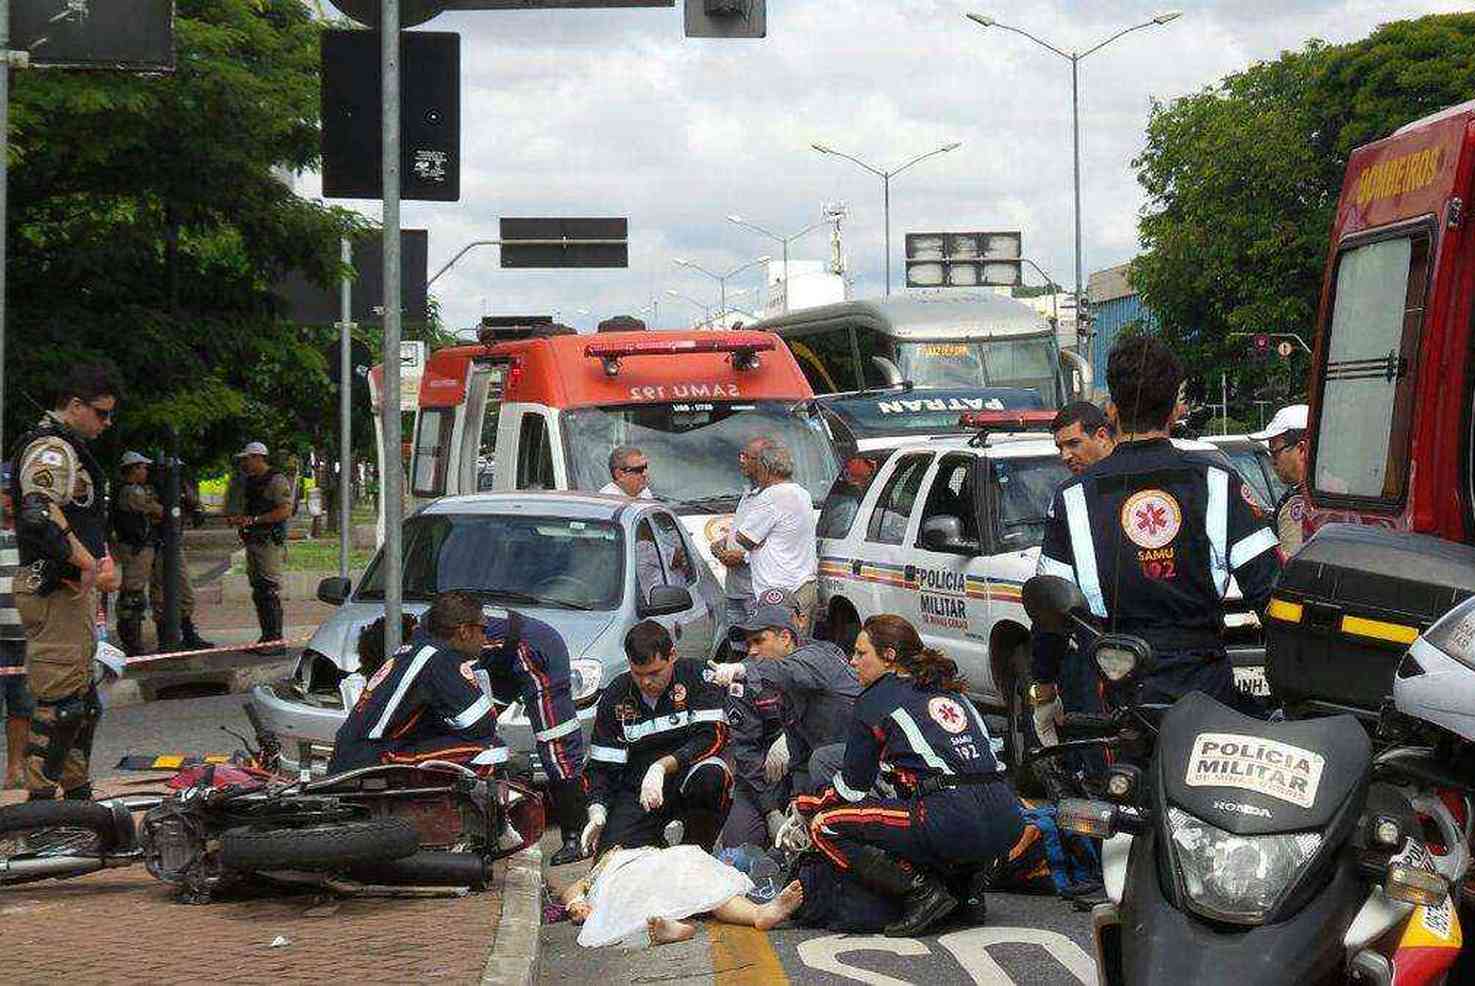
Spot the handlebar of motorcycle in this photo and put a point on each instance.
(1084, 725)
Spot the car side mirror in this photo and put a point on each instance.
(945, 533)
(334, 590)
(665, 600)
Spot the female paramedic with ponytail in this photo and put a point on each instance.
(953, 815)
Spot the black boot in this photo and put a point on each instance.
(571, 812)
(269, 615)
(925, 900)
(190, 638)
(130, 635)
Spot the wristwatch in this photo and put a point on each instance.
(1037, 692)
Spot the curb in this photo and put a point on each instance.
(515, 950)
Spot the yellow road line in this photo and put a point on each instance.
(743, 957)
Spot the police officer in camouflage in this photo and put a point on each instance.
(138, 524)
(264, 531)
(61, 527)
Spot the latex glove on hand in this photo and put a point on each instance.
(589, 838)
(776, 764)
(725, 674)
(652, 787)
(1047, 715)
(775, 820)
(793, 834)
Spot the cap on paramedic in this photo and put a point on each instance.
(131, 458)
(252, 448)
(765, 618)
(1292, 417)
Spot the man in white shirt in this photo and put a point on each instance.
(777, 529)
(629, 472)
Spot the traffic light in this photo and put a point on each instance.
(1260, 345)
(726, 19)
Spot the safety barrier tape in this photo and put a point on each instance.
(227, 649)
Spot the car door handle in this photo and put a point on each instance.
(855, 567)
(909, 573)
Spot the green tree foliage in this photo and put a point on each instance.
(147, 227)
(1242, 180)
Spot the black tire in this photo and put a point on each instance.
(82, 828)
(320, 847)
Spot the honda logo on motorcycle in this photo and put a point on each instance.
(1254, 810)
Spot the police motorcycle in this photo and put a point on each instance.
(1253, 852)
(218, 827)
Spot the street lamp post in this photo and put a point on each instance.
(785, 240)
(1075, 113)
(721, 279)
(886, 177)
(706, 310)
(1051, 284)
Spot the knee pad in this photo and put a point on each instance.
(71, 717)
(263, 593)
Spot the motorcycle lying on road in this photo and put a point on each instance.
(433, 824)
(1258, 853)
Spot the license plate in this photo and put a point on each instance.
(1252, 680)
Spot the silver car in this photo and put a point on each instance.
(589, 565)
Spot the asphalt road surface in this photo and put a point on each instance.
(1028, 941)
(188, 725)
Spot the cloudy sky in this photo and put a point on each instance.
(614, 112)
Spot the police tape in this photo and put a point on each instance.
(227, 649)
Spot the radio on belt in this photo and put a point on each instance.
(744, 347)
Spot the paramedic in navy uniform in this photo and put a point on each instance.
(954, 812)
(1151, 534)
(656, 753)
(423, 702)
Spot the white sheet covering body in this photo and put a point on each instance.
(640, 883)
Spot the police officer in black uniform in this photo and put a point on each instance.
(531, 657)
(424, 703)
(953, 815)
(1151, 534)
(656, 753)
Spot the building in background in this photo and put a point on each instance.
(811, 283)
(1115, 305)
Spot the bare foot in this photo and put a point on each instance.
(664, 931)
(778, 910)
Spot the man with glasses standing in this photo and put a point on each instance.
(1286, 440)
(61, 529)
(629, 472)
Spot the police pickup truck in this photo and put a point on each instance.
(945, 532)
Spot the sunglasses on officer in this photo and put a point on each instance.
(636, 469)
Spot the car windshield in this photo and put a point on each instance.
(531, 561)
(1250, 463)
(693, 448)
(1029, 364)
(1023, 488)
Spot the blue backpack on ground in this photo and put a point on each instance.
(1047, 860)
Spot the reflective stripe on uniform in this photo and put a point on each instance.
(1253, 546)
(608, 754)
(492, 754)
(416, 666)
(669, 723)
(845, 790)
(1217, 519)
(470, 714)
(562, 729)
(718, 761)
(919, 742)
(1084, 548)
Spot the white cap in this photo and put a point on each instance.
(252, 448)
(1292, 417)
(135, 459)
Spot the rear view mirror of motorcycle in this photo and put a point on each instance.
(1051, 602)
(1120, 656)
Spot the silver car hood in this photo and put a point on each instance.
(584, 633)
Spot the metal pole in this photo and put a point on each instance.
(4, 184)
(886, 210)
(1224, 408)
(393, 479)
(173, 560)
(1075, 117)
(345, 408)
(786, 277)
(722, 291)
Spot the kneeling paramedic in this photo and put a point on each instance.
(532, 657)
(656, 753)
(953, 815)
(424, 703)
(1151, 534)
(817, 689)
(61, 533)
